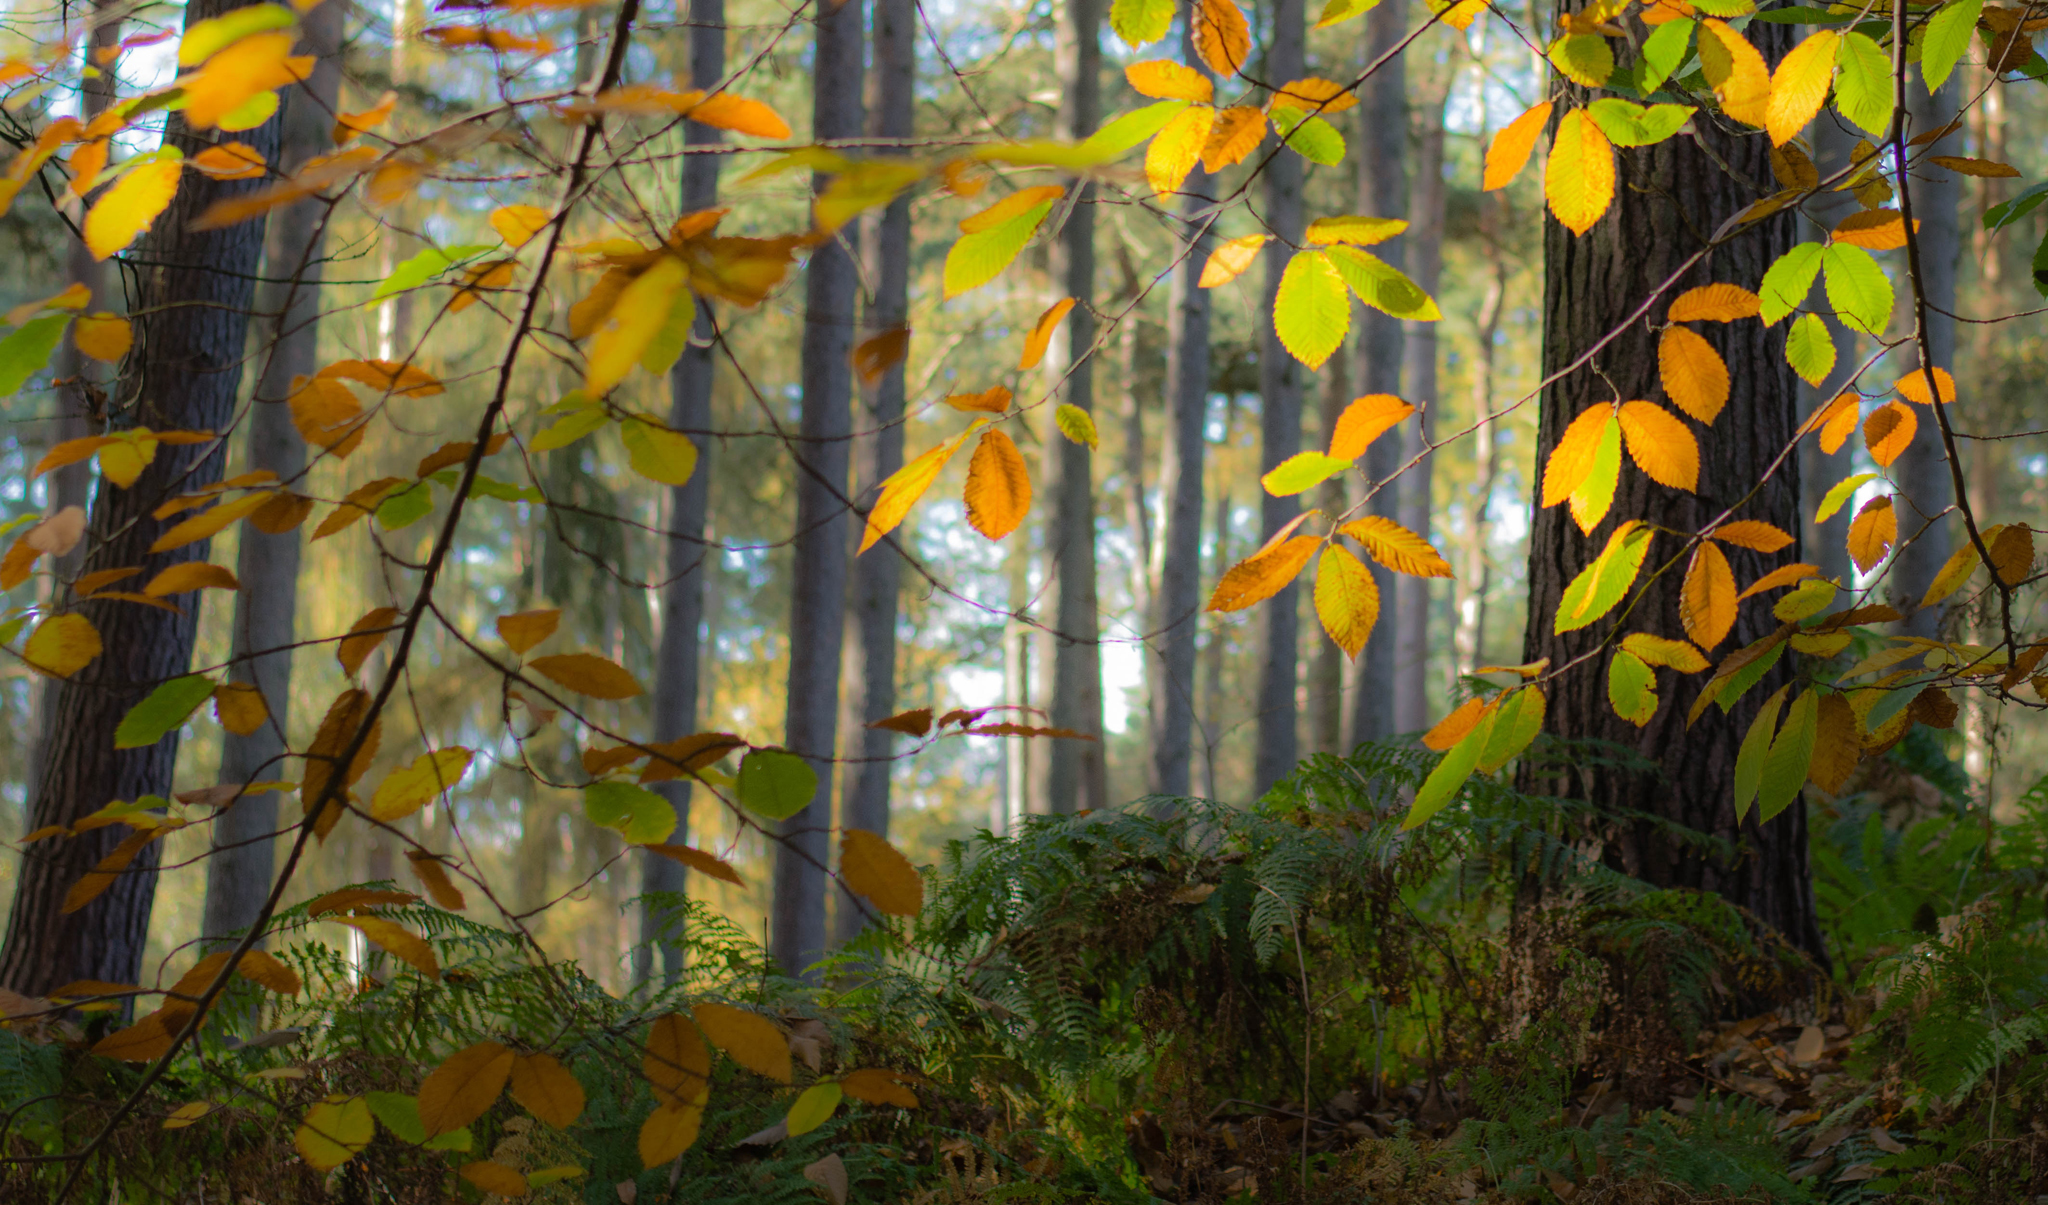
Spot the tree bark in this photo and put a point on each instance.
(818, 607)
(1668, 198)
(194, 297)
(878, 575)
(678, 672)
(1280, 385)
(1419, 352)
(1077, 778)
(1923, 472)
(244, 855)
(1326, 674)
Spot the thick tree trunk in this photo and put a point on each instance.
(1280, 384)
(1923, 472)
(1827, 544)
(1077, 778)
(266, 607)
(1382, 157)
(678, 672)
(194, 300)
(818, 607)
(878, 575)
(1177, 605)
(1419, 351)
(1668, 196)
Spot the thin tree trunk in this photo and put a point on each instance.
(1210, 717)
(1280, 384)
(1326, 676)
(1137, 509)
(1077, 777)
(1478, 576)
(1666, 195)
(678, 671)
(1827, 544)
(1425, 262)
(194, 298)
(1923, 472)
(878, 576)
(818, 607)
(1382, 192)
(1176, 608)
(1017, 683)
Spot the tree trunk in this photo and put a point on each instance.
(678, 672)
(1176, 607)
(1425, 262)
(878, 576)
(194, 300)
(1923, 472)
(818, 606)
(1827, 544)
(266, 607)
(1326, 675)
(1667, 195)
(1382, 192)
(1077, 777)
(1280, 383)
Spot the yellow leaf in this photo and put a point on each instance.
(1753, 534)
(1396, 547)
(1572, 459)
(1511, 147)
(494, 1178)
(1661, 445)
(231, 88)
(406, 791)
(704, 863)
(1236, 133)
(1458, 725)
(126, 209)
(544, 1088)
(185, 1114)
(191, 575)
(677, 1063)
(524, 629)
(1578, 182)
(906, 485)
(587, 674)
(1347, 599)
(752, 1040)
(1075, 423)
(725, 111)
(1316, 95)
(1954, 572)
(1913, 387)
(993, 400)
(1782, 576)
(1888, 432)
(62, 645)
(348, 125)
(333, 1131)
(328, 416)
(1873, 532)
(668, 1132)
(265, 970)
(878, 870)
(517, 224)
(434, 877)
(874, 1086)
(1872, 230)
(363, 638)
(1177, 148)
(1662, 650)
(998, 493)
(1164, 79)
(1693, 373)
(2012, 554)
(1736, 72)
(1364, 420)
(104, 872)
(813, 1108)
(231, 161)
(1263, 574)
(1800, 86)
(639, 316)
(1715, 303)
(1976, 167)
(1023, 201)
(1040, 338)
(403, 944)
(657, 453)
(104, 337)
(143, 1042)
(1223, 38)
(386, 376)
(463, 1087)
(240, 707)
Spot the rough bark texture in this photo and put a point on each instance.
(266, 607)
(1077, 778)
(818, 584)
(1923, 472)
(678, 671)
(1382, 192)
(878, 575)
(194, 297)
(1425, 266)
(1670, 197)
(1280, 385)
(1827, 544)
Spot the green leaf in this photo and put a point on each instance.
(662, 351)
(1810, 348)
(208, 38)
(1583, 58)
(1075, 423)
(425, 266)
(399, 1113)
(1863, 88)
(1948, 36)
(1791, 756)
(1301, 472)
(980, 257)
(1313, 138)
(1663, 51)
(1133, 129)
(2005, 213)
(1809, 597)
(1311, 312)
(28, 349)
(1838, 497)
(1601, 586)
(658, 453)
(1515, 723)
(1450, 774)
(1338, 11)
(1756, 745)
(568, 429)
(406, 507)
(776, 783)
(814, 1108)
(1857, 288)
(162, 711)
(2040, 267)
(1631, 688)
(1382, 286)
(1741, 680)
(1789, 280)
(1139, 23)
(1627, 123)
(642, 816)
(482, 486)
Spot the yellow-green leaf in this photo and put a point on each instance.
(1311, 312)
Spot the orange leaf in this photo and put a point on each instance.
(1753, 534)
(1164, 79)
(1693, 373)
(363, 638)
(1223, 38)
(434, 877)
(1572, 459)
(699, 861)
(915, 722)
(1913, 387)
(1715, 303)
(753, 1041)
(998, 493)
(1236, 133)
(1873, 230)
(1889, 431)
(1873, 532)
(1263, 574)
(1229, 261)
(348, 125)
(878, 870)
(677, 1063)
(523, 630)
(546, 1089)
(1779, 578)
(871, 1085)
(231, 161)
(725, 111)
(1457, 725)
(1363, 421)
(1511, 147)
(1661, 445)
(191, 575)
(1706, 604)
(1040, 338)
(876, 355)
(993, 400)
(465, 1085)
(402, 943)
(1396, 547)
(587, 674)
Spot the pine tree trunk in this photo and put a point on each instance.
(1077, 777)
(878, 575)
(194, 300)
(1923, 472)
(1280, 384)
(266, 607)
(818, 606)
(1666, 198)
(1425, 266)
(678, 671)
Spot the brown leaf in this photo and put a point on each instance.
(699, 861)
(587, 674)
(915, 722)
(363, 638)
(434, 877)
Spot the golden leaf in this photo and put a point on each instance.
(1263, 574)
(1222, 38)
(104, 337)
(1706, 603)
(1363, 421)
(544, 1088)
(127, 208)
(363, 638)
(1511, 147)
(874, 1086)
(95, 882)
(1837, 744)
(1913, 387)
(1457, 725)
(191, 575)
(998, 493)
(333, 1131)
(1236, 133)
(406, 791)
(1873, 532)
(587, 674)
(1177, 148)
(240, 707)
(725, 111)
(878, 870)
(62, 645)
(1578, 182)
(1800, 86)
(1315, 94)
(1888, 432)
(523, 630)
(1715, 303)
(463, 1087)
(2012, 554)
(265, 970)
(1780, 577)
(905, 486)
(1023, 201)
(1347, 599)
(752, 1040)
(1661, 445)
(1754, 534)
(1872, 230)
(1572, 459)
(1693, 373)
(701, 862)
(668, 1132)
(231, 161)
(1396, 547)
(1163, 79)
(494, 1178)
(993, 400)
(677, 1063)
(434, 877)
(1040, 338)
(1736, 72)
